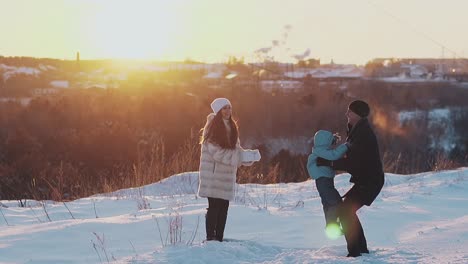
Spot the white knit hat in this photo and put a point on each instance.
(219, 103)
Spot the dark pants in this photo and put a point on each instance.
(330, 197)
(216, 218)
(352, 228)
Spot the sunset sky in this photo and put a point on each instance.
(352, 31)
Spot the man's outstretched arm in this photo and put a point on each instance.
(340, 164)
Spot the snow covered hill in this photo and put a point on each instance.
(420, 218)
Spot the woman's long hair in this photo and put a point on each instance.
(216, 132)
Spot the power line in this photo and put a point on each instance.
(412, 28)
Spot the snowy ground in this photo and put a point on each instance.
(421, 218)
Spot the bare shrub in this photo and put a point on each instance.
(442, 162)
(100, 246)
(174, 230)
(142, 201)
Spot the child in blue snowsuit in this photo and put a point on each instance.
(324, 147)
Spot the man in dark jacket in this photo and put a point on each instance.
(363, 162)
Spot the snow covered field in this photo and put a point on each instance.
(421, 218)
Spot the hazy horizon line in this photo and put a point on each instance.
(224, 61)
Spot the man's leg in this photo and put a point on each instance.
(362, 239)
(352, 227)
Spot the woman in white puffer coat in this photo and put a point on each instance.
(221, 155)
